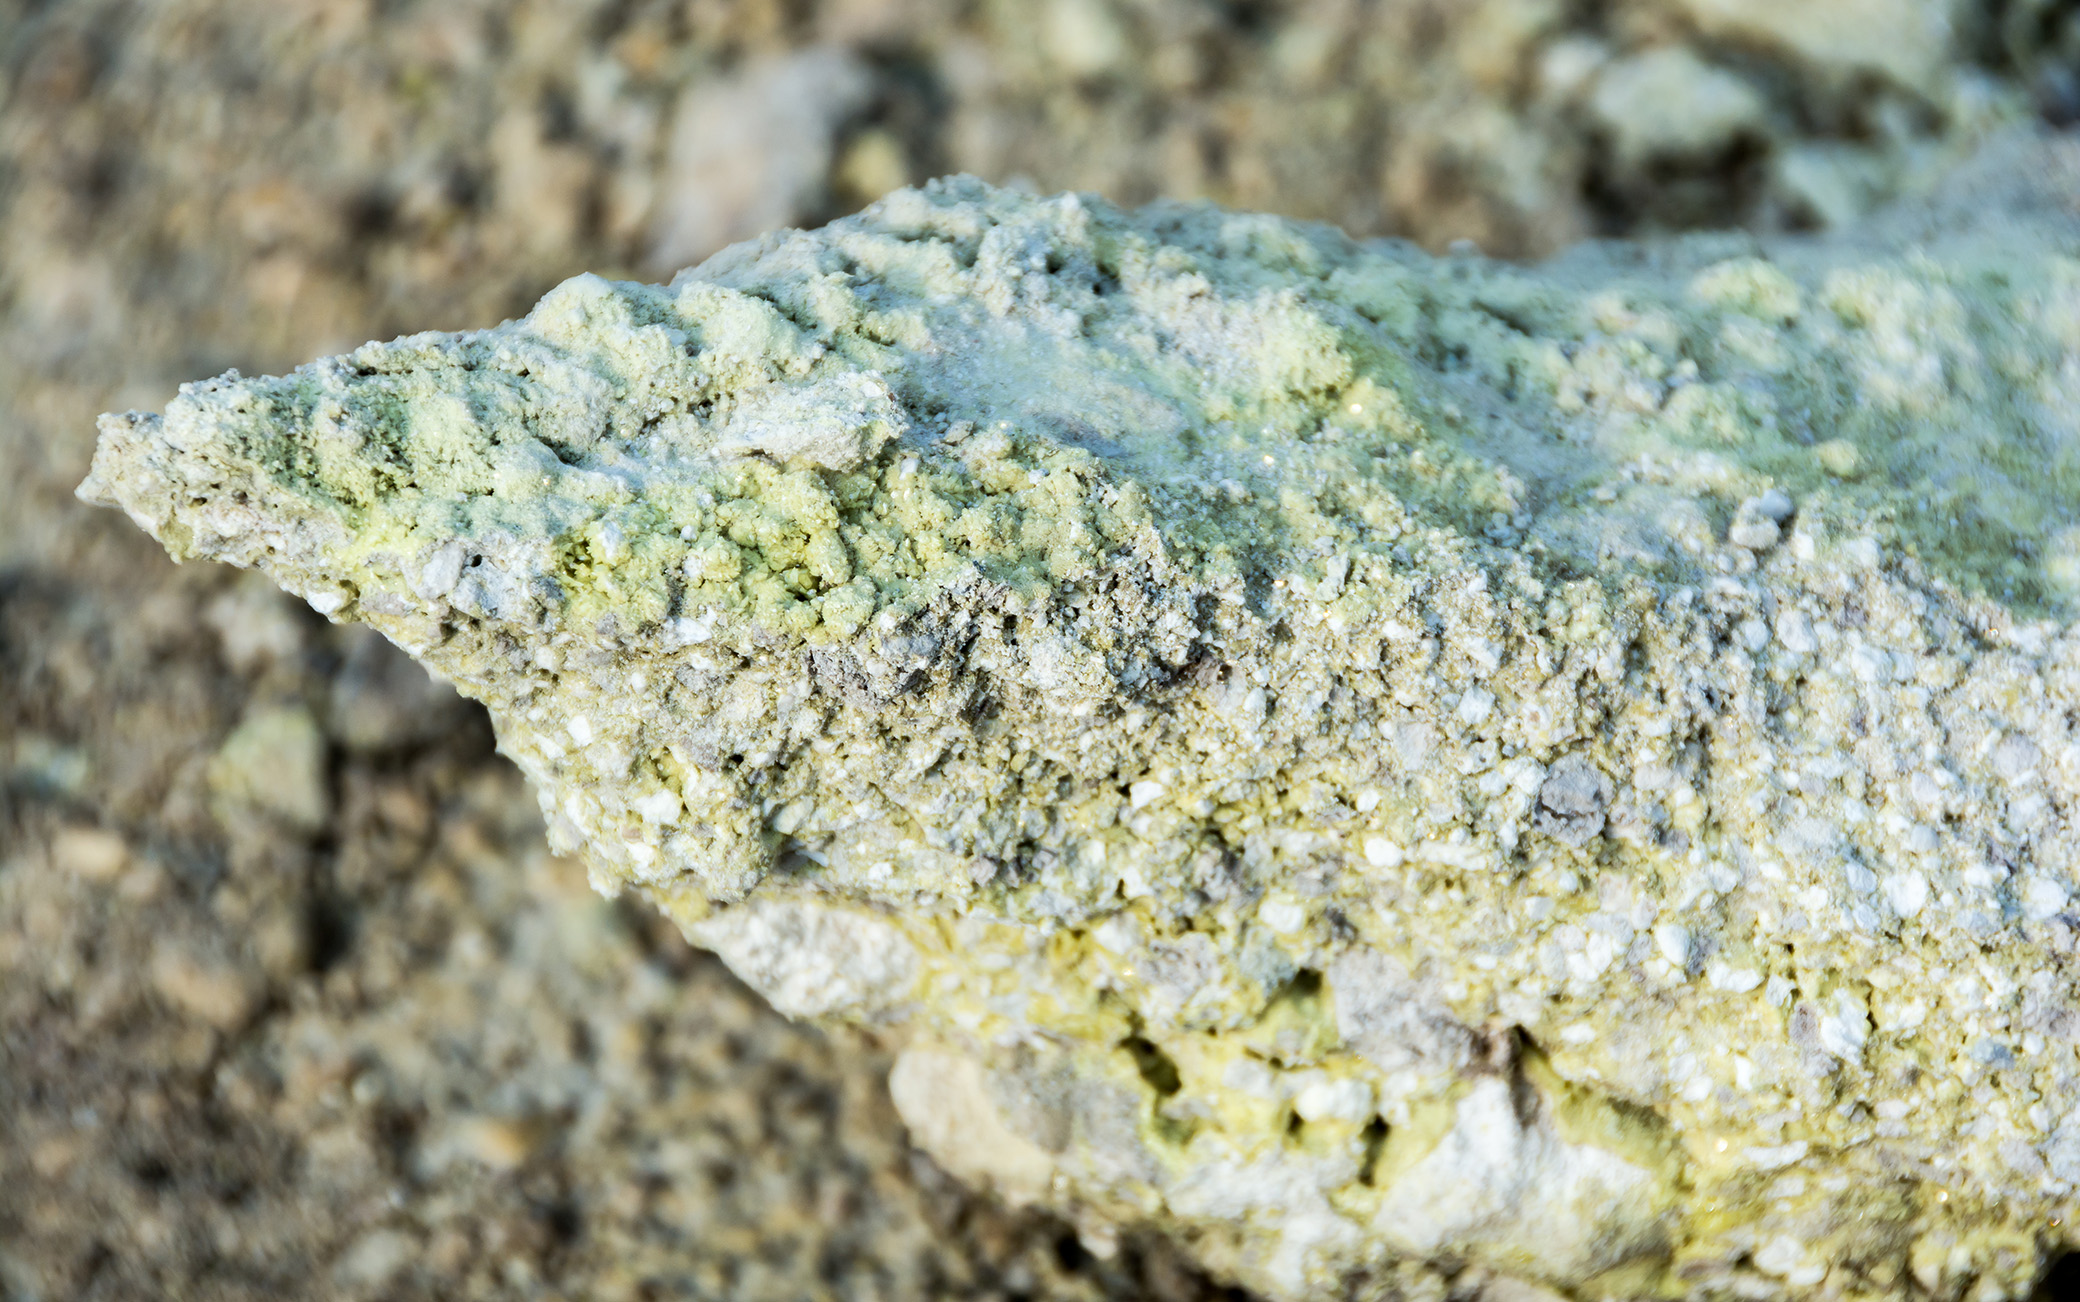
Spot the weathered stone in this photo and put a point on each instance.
(1293, 734)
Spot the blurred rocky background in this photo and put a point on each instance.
(294, 1003)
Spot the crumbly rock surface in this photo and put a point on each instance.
(1368, 762)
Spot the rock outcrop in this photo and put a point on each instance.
(1370, 763)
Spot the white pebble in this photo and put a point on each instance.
(1283, 916)
(1754, 535)
(1382, 853)
(1733, 980)
(659, 807)
(1774, 504)
(1785, 1257)
(1484, 653)
(1862, 552)
(1795, 631)
(2043, 898)
(1906, 892)
(1334, 1100)
(1674, 943)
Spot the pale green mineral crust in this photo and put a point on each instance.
(1375, 765)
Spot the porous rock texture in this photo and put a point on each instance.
(1368, 763)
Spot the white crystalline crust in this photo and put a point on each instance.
(1364, 761)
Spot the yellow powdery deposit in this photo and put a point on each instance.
(1368, 762)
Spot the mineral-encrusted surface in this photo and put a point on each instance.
(1370, 763)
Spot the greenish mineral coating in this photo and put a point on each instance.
(1368, 762)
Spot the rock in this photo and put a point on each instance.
(1572, 799)
(1074, 683)
(1754, 535)
(216, 992)
(750, 150)
(1083, 38)
(91, 853)
(1668, 103)
(374, 1259)
(1758, 522)
(1827, 183)
(1908, 42)
(944, 1098)
(254, 626)
(273, 763)
(502, 1144)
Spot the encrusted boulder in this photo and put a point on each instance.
(1377, 765)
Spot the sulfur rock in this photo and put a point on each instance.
(1380, 766)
